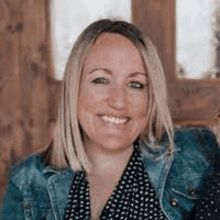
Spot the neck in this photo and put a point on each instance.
(108, 162)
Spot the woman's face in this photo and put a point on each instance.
(112, 105)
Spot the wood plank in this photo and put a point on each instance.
(33, 74)
(156, 19)
(196, 102)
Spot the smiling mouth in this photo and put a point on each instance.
(115, 120)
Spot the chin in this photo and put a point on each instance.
(116, 145)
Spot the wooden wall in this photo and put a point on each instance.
(27, 88)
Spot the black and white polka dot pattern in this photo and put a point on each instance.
(78, 206)
(133, 198)
(209, 207)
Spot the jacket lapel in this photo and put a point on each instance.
(158, 168)
(58, 187)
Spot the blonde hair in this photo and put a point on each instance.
(67, 149)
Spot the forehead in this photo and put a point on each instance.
(114, 40)
(111, 47)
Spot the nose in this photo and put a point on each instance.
(117, 98)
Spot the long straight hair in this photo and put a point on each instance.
(68, 149)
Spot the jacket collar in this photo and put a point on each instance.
(158, 167)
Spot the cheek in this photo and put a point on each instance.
(139, 105)
(140, 112)
(89, 103)
(93, 93)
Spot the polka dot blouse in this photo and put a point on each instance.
(209, 207)
(133, 197)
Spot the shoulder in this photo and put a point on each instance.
(200, 134)
(194, 159)
(28, 170)
(195, 156)
(199, 141)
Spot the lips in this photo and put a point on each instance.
(113, 119)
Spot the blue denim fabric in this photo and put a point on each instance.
(36, 191)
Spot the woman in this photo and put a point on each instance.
(114, 154)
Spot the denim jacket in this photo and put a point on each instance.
(36, 191)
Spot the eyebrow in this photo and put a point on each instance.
(138, 73)
(109, 72)
(103, 69)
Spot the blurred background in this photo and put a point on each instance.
(36, 37)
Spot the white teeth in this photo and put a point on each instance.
(114, 120)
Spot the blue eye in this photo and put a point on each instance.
(100, 80)
(136, 85)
